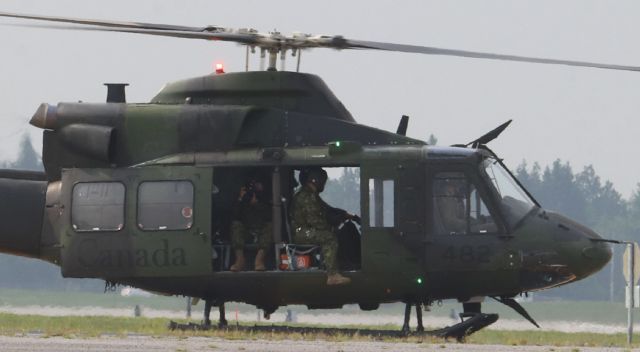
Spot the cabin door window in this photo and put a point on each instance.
(98, 206)
(165, 205)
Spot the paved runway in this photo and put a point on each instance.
(172, 344)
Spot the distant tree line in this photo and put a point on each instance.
(27, 158)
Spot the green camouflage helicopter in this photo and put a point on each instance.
(142, 193)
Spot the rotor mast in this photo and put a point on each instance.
(273, 58)
(275, 44)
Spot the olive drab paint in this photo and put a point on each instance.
(210, 131)
(437, 222)
(91, 256)
(134, 251)
(227, 126)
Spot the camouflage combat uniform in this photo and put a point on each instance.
(311, 225)
(252, 223)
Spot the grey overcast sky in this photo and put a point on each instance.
(584, 116)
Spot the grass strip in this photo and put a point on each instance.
(94, 326)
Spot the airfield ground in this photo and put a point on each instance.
(152, 344)
(96, 328)
(67, 321)
(596, 317)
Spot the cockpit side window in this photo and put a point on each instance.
(515, 202)
(458, 206)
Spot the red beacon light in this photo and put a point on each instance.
(219, 68)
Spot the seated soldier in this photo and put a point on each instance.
(314, 221)
(452, 207)
(252, 222)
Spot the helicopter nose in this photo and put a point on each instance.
(590, 253)
(596, 253)
(599, 253)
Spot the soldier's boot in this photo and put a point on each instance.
(337, 279)
(239, 264)
(259, 264)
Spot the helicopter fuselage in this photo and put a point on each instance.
(141, 194)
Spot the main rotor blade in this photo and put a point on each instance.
(113, 24)
(222, 36)
(361, 44)
(278, 42)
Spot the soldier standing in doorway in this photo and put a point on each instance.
(252, 223)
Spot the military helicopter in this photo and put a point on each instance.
(141, 193)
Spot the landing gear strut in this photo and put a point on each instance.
(222, 320)
(420, 327)
(472, 320)
(406, 329)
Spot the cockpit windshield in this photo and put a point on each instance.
(515, 202)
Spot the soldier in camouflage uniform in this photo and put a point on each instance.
(252, 223)
(314, 221)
